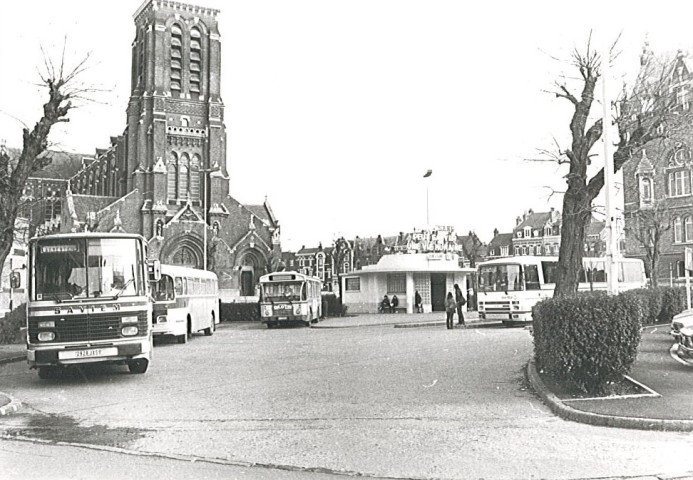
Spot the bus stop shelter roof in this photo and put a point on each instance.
(417, 263)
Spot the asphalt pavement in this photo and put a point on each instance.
(665, 380)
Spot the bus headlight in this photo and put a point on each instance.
(266, 311)
(298, 310)
(132, 319)
(46, 336)
(161, 319)
(47, 324)
(130, 331)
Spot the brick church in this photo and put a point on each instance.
(166, 176)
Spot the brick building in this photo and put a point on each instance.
(657, 180)
(166, 176)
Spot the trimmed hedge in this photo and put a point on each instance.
(332, 306)
(11, 325)
(239, 312)
(589, 340)
(673, 302)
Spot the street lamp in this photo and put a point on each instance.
(426, 175)
(206, 171)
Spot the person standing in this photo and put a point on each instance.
(450, 311)
(459, 301)
(417, 302)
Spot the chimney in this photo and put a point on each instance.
(495, 232)
(518, 221)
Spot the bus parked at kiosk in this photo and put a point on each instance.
(88, 301)
(290, 298)
(509, 287)
(186, 300)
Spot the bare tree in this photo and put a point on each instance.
(63, 89)
(640, 113)
(649, 228)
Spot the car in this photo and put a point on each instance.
(685, 343)
(681, 320)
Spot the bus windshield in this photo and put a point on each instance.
(87, 268)
(278, 291)
(163, 289)
(500, 278)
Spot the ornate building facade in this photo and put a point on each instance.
(166, 176)
(658, 198)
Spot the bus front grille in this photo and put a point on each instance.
(497, 307)
(87, 327)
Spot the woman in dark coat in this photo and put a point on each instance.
(460, 301)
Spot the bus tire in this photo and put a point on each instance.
(47, 373)
(209, 331)
(138, 366)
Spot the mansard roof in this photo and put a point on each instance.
(535, 220)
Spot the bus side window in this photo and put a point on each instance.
(303, 292)
(532, 277)
(179, 286)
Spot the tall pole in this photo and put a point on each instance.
(427, 219)
(204, 215)
(426, 175)
(611, 246)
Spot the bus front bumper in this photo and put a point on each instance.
(111, 352)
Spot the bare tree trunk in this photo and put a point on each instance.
(577, 210)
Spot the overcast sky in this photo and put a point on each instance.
(336, 109)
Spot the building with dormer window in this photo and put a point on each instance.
(657, 180)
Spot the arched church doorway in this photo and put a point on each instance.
(252, 267)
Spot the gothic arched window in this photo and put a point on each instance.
(195, 178)
(172, 177)
(183, 167)
(176, 60)
(195, 61)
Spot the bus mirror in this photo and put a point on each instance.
(154, 268)
(15, 280)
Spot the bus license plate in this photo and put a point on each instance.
(91, 353)
(282, 318)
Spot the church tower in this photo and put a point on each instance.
(175, 136)
(166, 177)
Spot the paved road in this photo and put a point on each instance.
(378, 401)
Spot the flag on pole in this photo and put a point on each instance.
(428, 173)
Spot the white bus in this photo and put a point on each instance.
(290, 297)
(88, 301)
(186, 300)
(509, 287)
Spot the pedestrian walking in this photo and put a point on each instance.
(450, 311)
(459, 301)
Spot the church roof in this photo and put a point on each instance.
(63, 165)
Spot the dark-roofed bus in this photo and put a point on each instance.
(509, 287)
(290, 298)
(186, 300)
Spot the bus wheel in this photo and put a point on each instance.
(138, 366)
(210, 330)
(46, 373)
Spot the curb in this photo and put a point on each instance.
(568, 413)
(12, 359)
(11, 407)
